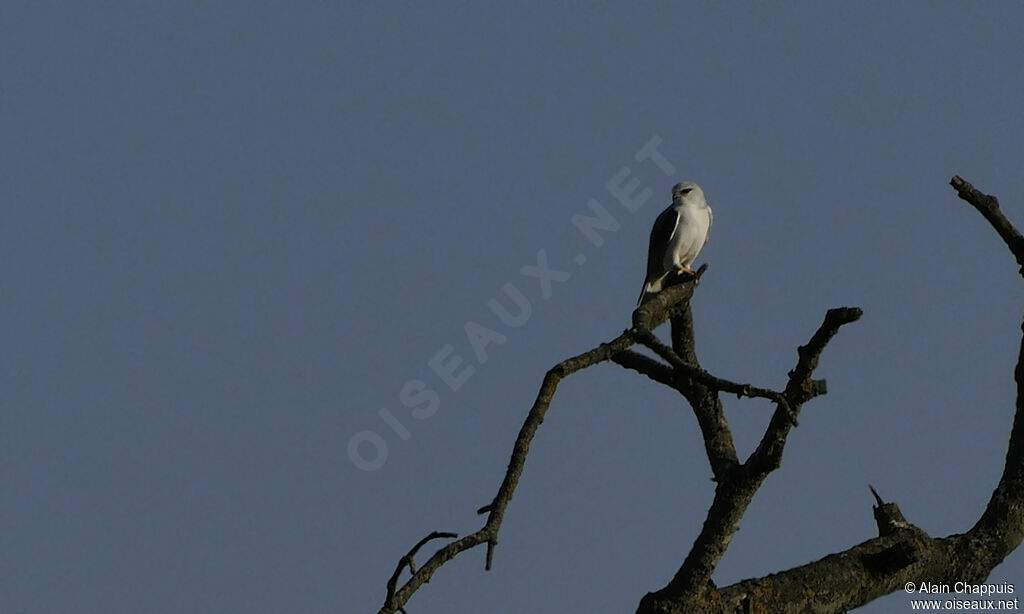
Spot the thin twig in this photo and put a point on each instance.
(407, 561)
(647, 338)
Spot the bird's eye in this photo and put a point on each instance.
(687, 190)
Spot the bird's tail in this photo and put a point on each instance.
(650, 287)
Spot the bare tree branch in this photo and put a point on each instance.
(800, 389)
(705, 401)
(988, 206)
(488, 534)
(653, 369)
(648, 339)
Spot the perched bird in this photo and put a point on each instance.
(679, 234)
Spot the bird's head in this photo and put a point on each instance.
(686, 190)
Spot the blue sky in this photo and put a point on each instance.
(231, 238)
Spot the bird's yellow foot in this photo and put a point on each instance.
(690, 272)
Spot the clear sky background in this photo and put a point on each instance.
(231, 236)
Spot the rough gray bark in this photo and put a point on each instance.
(839, 582)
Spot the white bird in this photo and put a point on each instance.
(679, 234)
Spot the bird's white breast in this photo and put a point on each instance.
(690, 235)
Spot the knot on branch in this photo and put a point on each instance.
(888, 516)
